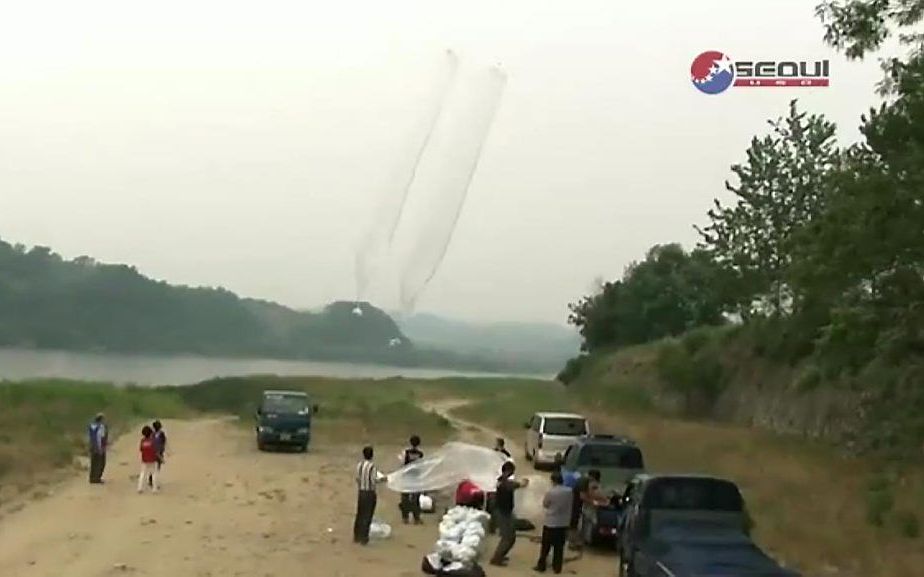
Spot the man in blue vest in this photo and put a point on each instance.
(99, 439)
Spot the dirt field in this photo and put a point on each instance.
(227, 510)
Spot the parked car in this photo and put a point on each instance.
(284, 418)
(686, 526)
(549, 435)
(619, 460)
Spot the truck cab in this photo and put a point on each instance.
(283, 418)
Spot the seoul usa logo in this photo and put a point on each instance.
(713, 72)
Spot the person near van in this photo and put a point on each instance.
(410, 502)
(367, 479)
(557, 503)
(587, 496)
(503, 512)
(99, 441)
(148, 450)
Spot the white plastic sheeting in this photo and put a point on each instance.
(447, 467)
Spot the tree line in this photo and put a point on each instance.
(49, 302)
(819, 258)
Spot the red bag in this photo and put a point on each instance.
(469, 494)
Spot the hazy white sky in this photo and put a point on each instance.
(244, 144)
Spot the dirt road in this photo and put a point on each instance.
(225, 510)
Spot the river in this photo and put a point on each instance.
(19, 364)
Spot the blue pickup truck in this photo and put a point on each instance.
(619, 460)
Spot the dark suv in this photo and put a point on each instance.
(619, 460)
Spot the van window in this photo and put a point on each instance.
(535, 424)
(566, 427)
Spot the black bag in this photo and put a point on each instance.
(474, 571)
(523, 525)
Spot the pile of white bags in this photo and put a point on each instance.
(462, 535)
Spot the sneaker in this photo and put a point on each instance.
(539, 569)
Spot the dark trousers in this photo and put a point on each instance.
(506, 527)
(97, 466)
(553, 539)
(365, 508)
(410, 505)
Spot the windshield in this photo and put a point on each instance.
(565, 426)
(611, 456)
(693, 494)
(284, 404)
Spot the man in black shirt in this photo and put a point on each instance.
(410, 502)
(503, 512)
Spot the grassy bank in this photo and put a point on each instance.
(43, 424)
(354, 410)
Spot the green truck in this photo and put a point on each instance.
(284, 419)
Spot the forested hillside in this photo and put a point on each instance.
(80, 304)
(817, 265)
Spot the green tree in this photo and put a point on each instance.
(779, 190)
(669, 292)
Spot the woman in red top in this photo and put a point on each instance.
(149, 455)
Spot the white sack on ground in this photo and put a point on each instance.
(447, 467)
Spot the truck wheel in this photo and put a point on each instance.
(303, 448)
(260, 445)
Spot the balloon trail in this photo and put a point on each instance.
(379, 236)
(445, 176)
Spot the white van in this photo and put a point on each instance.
(550, 434)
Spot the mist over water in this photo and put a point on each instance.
(445, 175)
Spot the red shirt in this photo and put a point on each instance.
(148, 450)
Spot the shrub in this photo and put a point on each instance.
(699, 378)
(572, 369)
(908, 524)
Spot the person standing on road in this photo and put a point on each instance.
(367, 477)
(148, 450)
(499, 446)
(160, 444)
(410, 502)
(557, 504)
(99, 440)
(503, 512)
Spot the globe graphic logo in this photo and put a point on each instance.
(712, 72)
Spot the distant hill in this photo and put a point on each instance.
(544, 346)
(80, 304)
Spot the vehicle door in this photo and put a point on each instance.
(631, 534)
